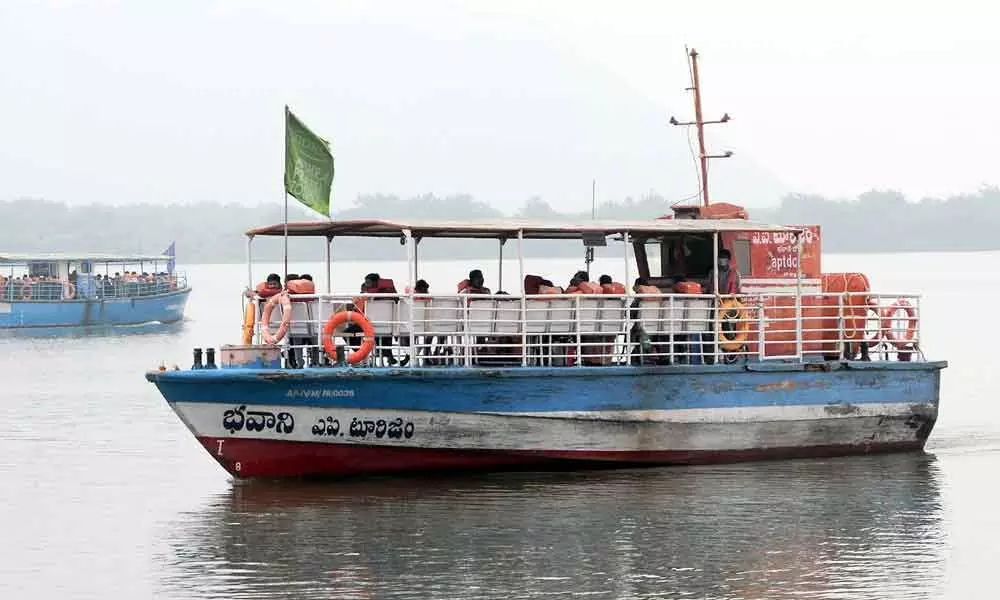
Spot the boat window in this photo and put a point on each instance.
(42, 269)
(741, 252)
(653, 249)
(700, 261)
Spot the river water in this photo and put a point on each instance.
(104, 494)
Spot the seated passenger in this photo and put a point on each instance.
(265, 289)
(580, 284)
(610, 286)
(475, 284)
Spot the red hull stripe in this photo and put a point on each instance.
(271, 458)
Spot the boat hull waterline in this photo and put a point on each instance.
(163, 308)
(333, 422)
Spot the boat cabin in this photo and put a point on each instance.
(666, 305)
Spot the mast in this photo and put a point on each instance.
(700, 123)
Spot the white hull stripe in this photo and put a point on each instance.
(639, 431)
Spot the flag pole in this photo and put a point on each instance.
(284, 186)
(285, 277)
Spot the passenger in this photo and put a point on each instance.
(302, 332)
(475, 284)
(610, 286)
(374, 284)
(531, 283)
(306, 276)
(265, 289)
(575, 281)
(729, 276)
(547, 287)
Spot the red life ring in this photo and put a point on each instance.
(69, 290)
(906, 339)
(286, 317)
(342, 318)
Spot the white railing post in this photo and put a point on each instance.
(524, 298)
(629, 298)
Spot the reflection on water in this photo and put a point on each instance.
(803, 529)
(153, 327)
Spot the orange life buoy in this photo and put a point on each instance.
(908, 336)
(335, 321)
(731, 309)
(286, 317)
(69, 290)
(249, 315)
(26, 291)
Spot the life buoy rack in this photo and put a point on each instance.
(344, 317)
(732, 310)
(286, 318)
(249, 316)
(908, 337)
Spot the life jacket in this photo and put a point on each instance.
(300, 286)
(613, 288)
(465, 287)
(265, 291)
(547, 289)
(687, 287)
(648, 289)
(585, 287)
(382, 286)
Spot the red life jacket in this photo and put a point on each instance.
(465, 287)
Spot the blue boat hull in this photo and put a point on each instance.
(163, 308)
(321, 422)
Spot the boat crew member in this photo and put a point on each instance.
(729, 285)
(729, 276)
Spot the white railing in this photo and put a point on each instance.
(583, 330)
(23, 290)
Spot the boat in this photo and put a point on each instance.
(674, 361)
(40, 291)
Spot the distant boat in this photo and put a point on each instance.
(87, 289)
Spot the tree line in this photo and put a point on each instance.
(876, 221)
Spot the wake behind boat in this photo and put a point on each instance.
(87, 290)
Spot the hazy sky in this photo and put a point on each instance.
(182, 101)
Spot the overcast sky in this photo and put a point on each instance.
(122, 102)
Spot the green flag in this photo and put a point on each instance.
(308, 165)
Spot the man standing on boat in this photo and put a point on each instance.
(729, 276)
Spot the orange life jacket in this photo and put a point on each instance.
(613, 288)
(265, 291)
(465, 287)
(687, 287)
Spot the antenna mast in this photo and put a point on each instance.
(700, 124)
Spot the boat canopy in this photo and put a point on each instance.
(19, 259)
(509, 228)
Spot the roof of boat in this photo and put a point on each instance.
(98, 257)
(509, 228)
